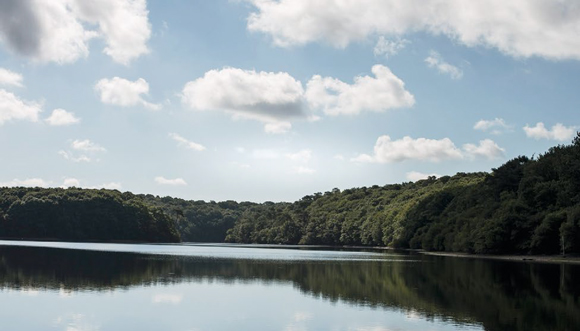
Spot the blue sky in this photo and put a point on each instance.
(273, 100)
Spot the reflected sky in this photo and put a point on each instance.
(74, 287)
(202, 306)
(231, 251)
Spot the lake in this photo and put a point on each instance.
(90, 287)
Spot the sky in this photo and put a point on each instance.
(263, 100)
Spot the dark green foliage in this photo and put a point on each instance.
(199, 221)
(524, 206)
(81, 215)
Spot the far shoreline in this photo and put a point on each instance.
(553, 259)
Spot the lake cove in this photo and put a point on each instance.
(86, 286)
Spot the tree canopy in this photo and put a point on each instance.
(525, 206)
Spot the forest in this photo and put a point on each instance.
(529, 205)
(81, 215)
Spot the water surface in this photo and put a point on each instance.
(74, 286)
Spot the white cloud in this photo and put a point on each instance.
(558, 132)
(434, 60)
(387, 48)
(123, 24)
(71, 157)
(415, 176)
(87, 146)
(302, 170)
(487, 148)
(8, 77)
(13, 108)
(271, 98)
(83, 151)
(71, 182)
(188, 144)
(56, 30)
(125, 93)
(173, 182)
(62, 117)
(29, 182)
(519, 28)
(277, 98)
(388, 151)
(497, 125)
(302, 156)
(379, 93)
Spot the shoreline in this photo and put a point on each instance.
(556, 259)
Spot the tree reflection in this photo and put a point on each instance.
(501, 295)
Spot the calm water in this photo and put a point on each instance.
(89, 287)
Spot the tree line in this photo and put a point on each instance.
(81, 215)
(525, 206)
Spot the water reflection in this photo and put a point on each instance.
(498, 295)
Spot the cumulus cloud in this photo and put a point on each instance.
(434, 60)
(125, 93)
(173, 182)
(496, 125)
(87, 146)
(275, 99)
(14, 108)
(379, 93)
(519, 28)
(82, 151)
(387, 150)
(558, 132)
(487, 148)
(415, 176)
(186, 143)
(56, 30)
(271, 98)
(8, 77)
(74, 158)
(123, 24)
(387, 47)
(29, 182)
(61, 117)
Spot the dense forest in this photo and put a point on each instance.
(81, 215)
(526, 206)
